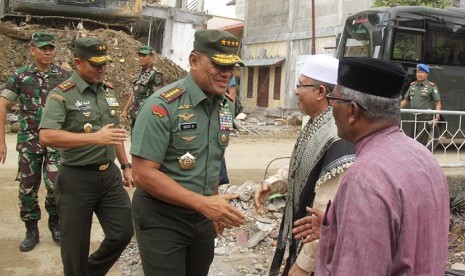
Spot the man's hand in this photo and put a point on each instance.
(3, 152)
(308, 228)
(260, 197)
(128, 181)
(108, 135)
(218, 229)
(217, 209)
(297, 271)
(124, 115)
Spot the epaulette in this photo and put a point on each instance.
(66, 85)
(172, 94)
(107, 84)
(228, 96)
(431, 83)
(413, 82)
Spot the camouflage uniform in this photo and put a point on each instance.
(31, 87)
(147, 82)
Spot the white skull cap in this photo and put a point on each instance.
(321, 68)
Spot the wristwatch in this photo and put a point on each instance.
(125, 166)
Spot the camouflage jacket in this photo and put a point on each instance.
(145, 84)
(31, 87)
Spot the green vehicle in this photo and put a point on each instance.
(411, 35)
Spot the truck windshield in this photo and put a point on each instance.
(363, 35)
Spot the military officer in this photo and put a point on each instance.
(179, 138)
(31, 85)
(80, 118)
(145, 83)
(423, 94)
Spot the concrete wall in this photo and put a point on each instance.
(274, 26)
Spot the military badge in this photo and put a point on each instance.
(113, 113)
(185, 106)
(88, 128)
(224, 139)
(111, 101)
(188, 138)
(187, 161)
(186, 117)
(86, 114)
(226, 119)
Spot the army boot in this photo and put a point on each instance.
(32, 236)
(54, 226)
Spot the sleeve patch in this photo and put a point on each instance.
(159, 111)
(57, 96)
(172, 94)
(66, 85)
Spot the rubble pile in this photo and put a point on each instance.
(14, 42)
(253, 124)
(251, 244)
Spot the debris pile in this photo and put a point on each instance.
(14, 42)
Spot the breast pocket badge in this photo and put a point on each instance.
(187, 161)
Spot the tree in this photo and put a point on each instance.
(430, 3)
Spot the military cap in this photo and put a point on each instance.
(423, 67)
(321, 68)
(146, 50)
(41, 39)
(91, 49)
(221, 47)
(371, 76)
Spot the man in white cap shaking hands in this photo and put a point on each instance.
(317, 164)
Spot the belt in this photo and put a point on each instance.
(99, 167)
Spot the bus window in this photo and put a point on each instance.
(407, 46)
(445, 42)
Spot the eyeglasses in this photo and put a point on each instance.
(330, 98)
(301, 86)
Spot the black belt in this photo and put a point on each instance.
(98, 167)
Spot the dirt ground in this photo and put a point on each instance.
(247, 158)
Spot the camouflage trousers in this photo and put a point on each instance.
(31, 168)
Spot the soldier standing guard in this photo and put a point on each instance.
(423, 94)
(145, 83)
(31, 85)
(79, 118)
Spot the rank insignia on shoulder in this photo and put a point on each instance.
(172, 94)
(413, 82)
(431, 83)
(159, 111)
(107, 84)
(66, 85)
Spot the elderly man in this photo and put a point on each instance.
(390, 215)
(80, 118)
(317, 164)
(180, 136)
(31, 84)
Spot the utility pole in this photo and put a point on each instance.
(313, 28)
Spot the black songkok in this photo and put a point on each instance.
(371, 76)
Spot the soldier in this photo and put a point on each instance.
(145, 83)
(423, 94)
(31, 85)
(79, 118)
(179, 138)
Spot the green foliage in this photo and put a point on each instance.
(457, 205)
(430, 3)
